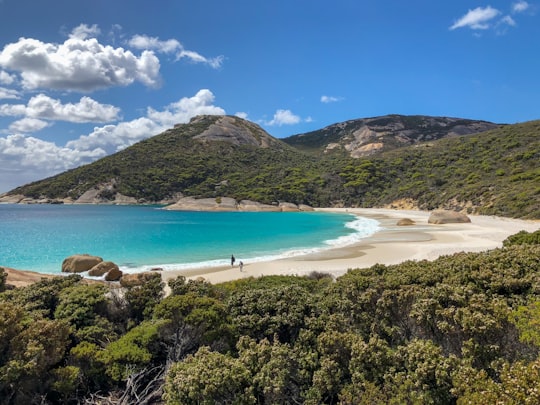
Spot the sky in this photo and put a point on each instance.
(81, 80)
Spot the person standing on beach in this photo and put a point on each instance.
(241, 263)
(232, 260)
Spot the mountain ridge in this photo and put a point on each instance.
(367, 136)
(493, 172)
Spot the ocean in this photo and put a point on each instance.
(137, 238)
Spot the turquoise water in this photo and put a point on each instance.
(40, 237)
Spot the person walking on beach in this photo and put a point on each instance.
(232, 260)
(241, 265)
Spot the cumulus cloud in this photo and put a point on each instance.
(45, 107)
(477, 19)
(186, 108)
(6, 78)
(117, 137)
(8, 93)
(173, 46)
(330, 99)
(79, 64)
(28, 125)
(283, 117)
(36, 159)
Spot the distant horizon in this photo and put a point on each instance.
(94, 78)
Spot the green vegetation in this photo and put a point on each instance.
(493, 173)
(462, 329)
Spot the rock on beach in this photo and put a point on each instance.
(80, 263)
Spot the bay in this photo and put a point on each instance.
(137, 238)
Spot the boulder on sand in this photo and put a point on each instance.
(405, 222)
(114, 274)
(102, 268)
(447, 217)
(79, 263)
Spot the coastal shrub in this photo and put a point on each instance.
(142, 299)
(3, 278)
(81, 304)
(207, 378)
(522, 238)
(193, 321)
(136, 350)
(41, 297)
(459, 329)
(263, 313)
(180, 286)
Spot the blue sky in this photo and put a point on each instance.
(80, 80)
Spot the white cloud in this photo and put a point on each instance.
(284, 117)
(477, 19)
(241, 114)
(6, 78)
(173, 46)
(112, 138)
(45, 107)
(186, 108)
(330, 99)
(83, 31)
(520, 6)
(8, 93)
(28, 158)
(28, 125)
(117, 137)
(78, 64)
(42, 158)
(507, 20)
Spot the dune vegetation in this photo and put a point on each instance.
(458, 330)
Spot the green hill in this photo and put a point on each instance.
(495, 172)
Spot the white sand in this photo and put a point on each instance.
(393, 245)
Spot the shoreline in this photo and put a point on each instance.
(392, 244)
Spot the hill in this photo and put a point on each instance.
(496, 172)
(209, 156)
(369, 136)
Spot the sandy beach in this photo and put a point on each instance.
(392, 245)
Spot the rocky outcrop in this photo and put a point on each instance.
(448, 217)
(230, 204)
(254, 206)
(369, 136)
(288, 207)
(102, 268)
(11, 199)
(232, 130)
(80, 263)
(137, 279)
(89, 197)
(204, 204)
(304, 207)
(114, 274)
